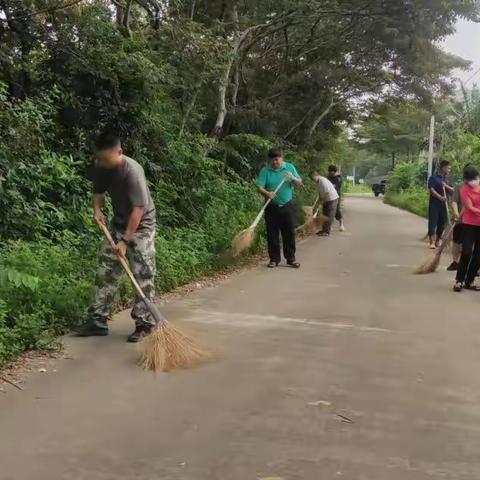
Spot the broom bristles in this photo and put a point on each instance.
(308, 212)
(242, 241)
(166, 348)
(319, 221)
(312, 225)
(430, 265)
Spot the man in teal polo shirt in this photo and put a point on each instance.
(280, 213)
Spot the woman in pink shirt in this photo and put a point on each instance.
(470, 259)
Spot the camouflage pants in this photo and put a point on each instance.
(141, 257)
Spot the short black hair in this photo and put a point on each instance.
(470, 173)
(444, 163)
(107, 140)
(274, 153)
(332, 168)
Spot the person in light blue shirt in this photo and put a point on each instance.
(280, 213)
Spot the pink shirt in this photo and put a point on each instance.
(469, 217)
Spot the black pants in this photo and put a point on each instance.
(281, 220)
(329, 210)
(437, 217)
(470, 259)
(338, 213)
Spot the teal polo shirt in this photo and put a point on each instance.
(268, 178)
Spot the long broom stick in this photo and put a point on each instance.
(244, 239)
(165, 348)
(431, 264)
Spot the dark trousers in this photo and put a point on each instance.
(437, 217)
(329, 210)
(338, 213)
(470, 259)
(281, 220)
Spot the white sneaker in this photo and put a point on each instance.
(342, 227)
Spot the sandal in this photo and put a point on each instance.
(293, 264)
(473, 287)
(458, 287)
(272, 265)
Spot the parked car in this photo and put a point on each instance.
(379, 187)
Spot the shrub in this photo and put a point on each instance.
(414, 200)
(406, 175)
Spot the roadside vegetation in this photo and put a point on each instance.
(198, 91)
(393, 141)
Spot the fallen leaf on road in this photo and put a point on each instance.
(320, 402)
(270, 478)
(42, 370)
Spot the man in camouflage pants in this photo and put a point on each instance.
(133, 230)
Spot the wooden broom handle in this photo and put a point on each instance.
(265, 205)
(315, 211)
(446, 204)
(122, 260)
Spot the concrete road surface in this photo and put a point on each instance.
(350, 368)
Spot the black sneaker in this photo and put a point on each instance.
(321, 233)
(272, 264)
(139, 333)
(91, 330)
(453, 267)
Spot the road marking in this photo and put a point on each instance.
(264, 321)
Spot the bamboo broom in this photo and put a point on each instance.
(431, 264)
(244, 239)
(315, 222)
(165, 348)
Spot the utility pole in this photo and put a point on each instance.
(430, 145)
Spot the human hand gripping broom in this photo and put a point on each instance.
(166, 348)
(244, 239)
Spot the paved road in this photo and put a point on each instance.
(351, 334)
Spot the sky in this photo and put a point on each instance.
(466, 44)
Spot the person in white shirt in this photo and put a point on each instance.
(329, 199)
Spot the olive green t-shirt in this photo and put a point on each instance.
(127, 187)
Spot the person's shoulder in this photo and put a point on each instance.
(133, 165)
(290, 166)
(324, 180)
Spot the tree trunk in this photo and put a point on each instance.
(126, 19)
(192, 9)
(222, 94)
(236, 82)
(321, 117)
(223, 86)
(190, 106)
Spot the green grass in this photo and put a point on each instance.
(414, 200)
(349, 187)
